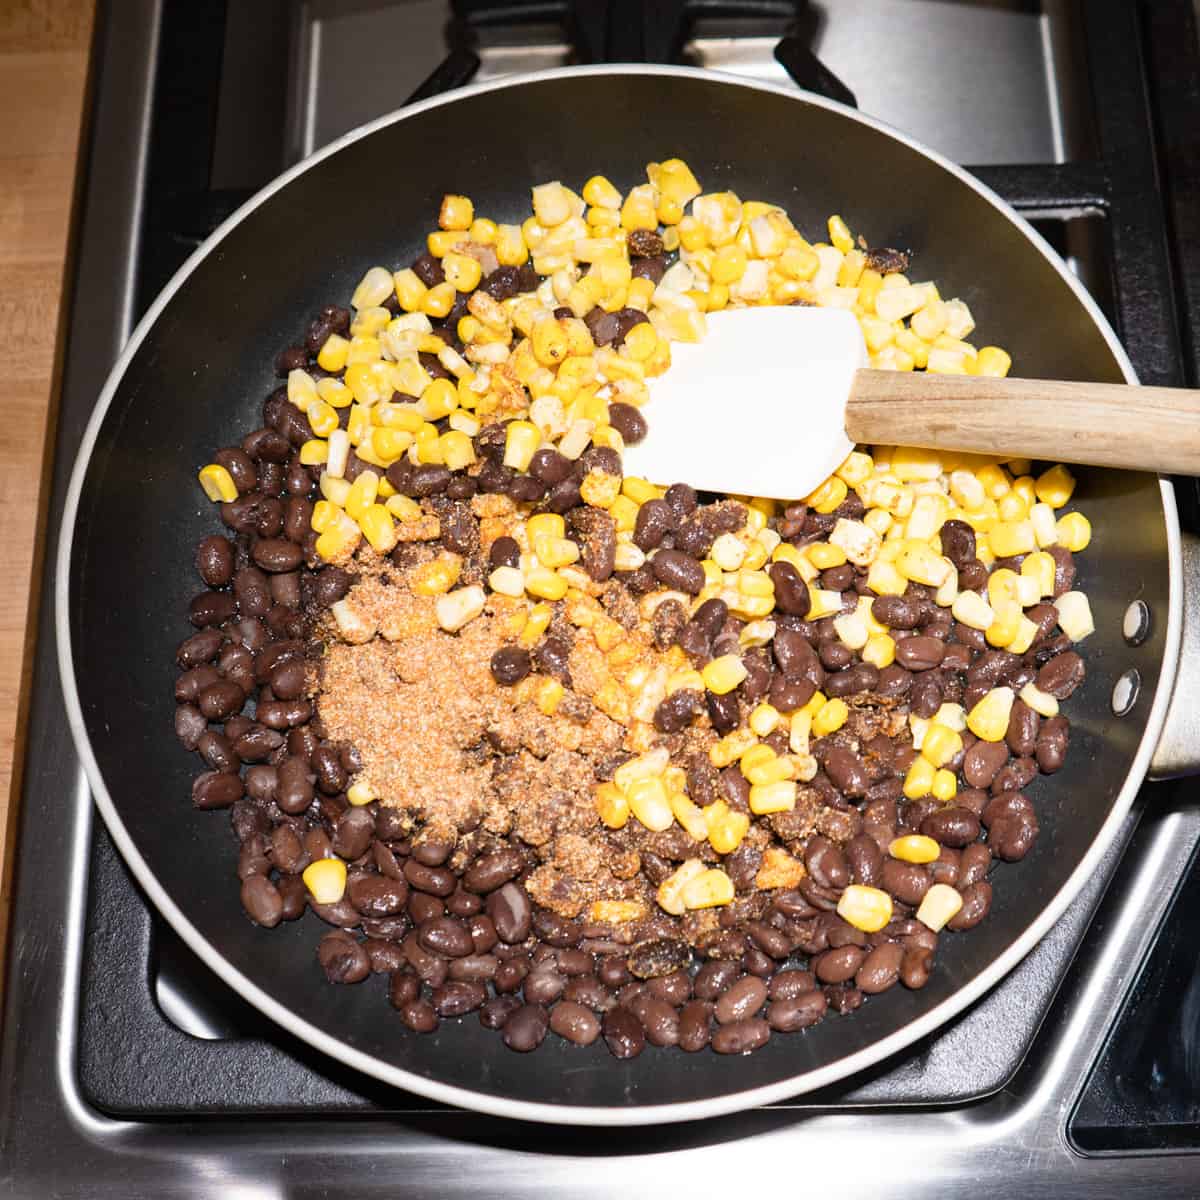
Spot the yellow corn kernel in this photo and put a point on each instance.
(866, 908)
(725, 827)
(1005, 627)
(776, 769)
(823, 603)
(885, 580)
(723, 674)
(334, 490)
(555, 552)
(1074, 531)
(455, 609)
(463, 271)
(548, 695)
(1023, 638)
(333, 354)
(436, 577)
(600, 192)
(918, 783)
(1002, 586)
(824, 555)
(1009, 538)
(688, 815)
(378, 529)
(840, 235)
(325, 880)
(545, 584)
(710, 889)
(670, 891)
(438, 301)
(1075, 615)
(1014, 506)
(457, 212)
(1055, 486)
(410, 291)
(458, 451)
(1040, 567)
(1041, 702)
(988, 720)
(324, 516)
(362, 494)
(545, 525)
(649, 803)
(218, 483)
(314, 452)
(403, 508)
(993, 361)
(779, 796)
(611, 804)
(521, 440)
(731, 747)
(729, 264)
(880, 651)
(919, 563)
(830, 717)
(945, 785)
(511, 250)
(940, 744)
(828, 496)
(764, 719)
(914, 848)
(361, 792)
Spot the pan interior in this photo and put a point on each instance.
(199, 375)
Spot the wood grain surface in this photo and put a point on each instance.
(44, 54)
(1107, 425)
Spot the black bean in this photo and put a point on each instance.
(847, 772)
(623, 1033)
(574, 1023)
(294, 791)
(654, 521)
(982, 763)
(475, 967)
(1015, 774)
(723, 711)
(1061, 675)
(977, 900)
(973, 864)
(951, 826)
(353, 833)
(262, 902)
(552, 656)
(920, 653)
(504, 552)
(526, 1028)
(216, 789)
(510, 664)
(377, 895)
(714, 977)
(908, 882)
(190, 725)
(343, 958)
(791, 592)
(676, 712)
(741, 1001)
(434, 881)
(446, 936)
(1052, 744)
(511, 912)
(741, 1037)
(677, 570)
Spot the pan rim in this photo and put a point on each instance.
(592, 1115)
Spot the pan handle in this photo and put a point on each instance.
(1178, 751)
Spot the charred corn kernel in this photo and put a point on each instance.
(1009, 538)
(218, 483)
(333, 354)
(830, 717)
(458, 451)
(710, 889)
(1045, 528)
(334, 490)
(940, 744)
(723, 674)
(918, 783)
(988, 720)
(1041, 702)
(611, 805)
(1075, 615)
(436, 577)
(403, 508)
(828, 496)
(511, 250)
(457, 212)
(919, 563)
(649, 803)
(670, 891)
(455, 609)
(325, 880)
(1074, 531)
(731, 747)
(362, 494)
(945, 785)
(555, 552)
(1040, 567)
(521, 440)
(378, 529)
(914, 848)
(463, 271)
(824, 555)
(688, 815)
(866, 908)
(545, 584)
(1055, 486)
(880, 651)
(773, 797)
(548, 696)
(938, 906)
(373, 289)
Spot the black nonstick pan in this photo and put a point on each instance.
(194, 375)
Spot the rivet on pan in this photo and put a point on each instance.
(1125, 691)
(1136, 624)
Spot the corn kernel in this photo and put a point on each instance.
(688, 815)
(988, 720)
(373, 289)
(1075, 615)
(779, 796)
(840, 235)
(325, 880)
(361, 792)
(670, 891)
(731, 747)
(436, 577)
(1055, 486)
(1005, 628)
(648, 802)
(914, 848)
(218, 483)
(1041, 702)
(378, 529)
(1045, 528)
(828, 496)
(824, 555)
(723, 674)
(993, 361)
(548, 696)
(455, 609)
(880, 651)
(866, 908)
(940, 744)
(830, 717)
(709, 889)
(972, 610)
(1009, 538)
(726, 828)
(545, 584)
(919, 780)
(852, 630)
(1074, 531)
(775, 769)
(457, 212)
(945, 785)
(916, 561)
(553, 552)
(334, 490)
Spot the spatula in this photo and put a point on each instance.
(773, 399)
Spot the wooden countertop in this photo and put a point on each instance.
(45, 46)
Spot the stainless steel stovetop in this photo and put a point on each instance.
(987, 83)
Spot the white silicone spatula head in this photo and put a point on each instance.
(757, 408)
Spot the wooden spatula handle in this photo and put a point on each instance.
(1110, 425)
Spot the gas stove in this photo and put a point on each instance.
(127, 1068)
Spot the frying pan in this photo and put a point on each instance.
(194, 374)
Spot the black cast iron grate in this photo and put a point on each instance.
(1141, 185)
